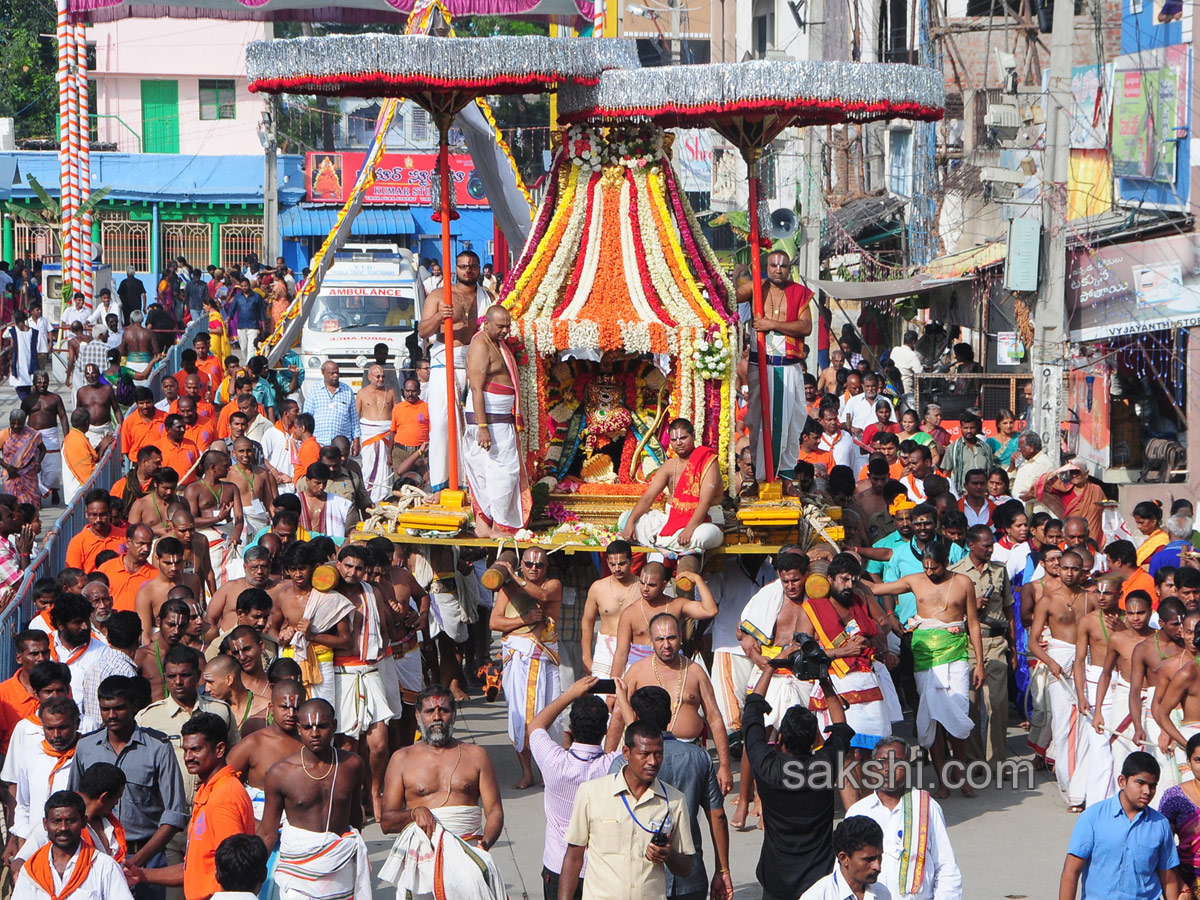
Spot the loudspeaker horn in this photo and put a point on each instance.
(783, 223)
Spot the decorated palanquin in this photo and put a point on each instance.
(626, 319)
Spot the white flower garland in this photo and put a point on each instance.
(591, 258)
(633, 281)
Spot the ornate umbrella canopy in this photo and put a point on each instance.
(389, 65)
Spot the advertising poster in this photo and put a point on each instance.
(401, 179)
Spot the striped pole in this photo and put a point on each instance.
(597, 18)
(66, 86)
(83, 225)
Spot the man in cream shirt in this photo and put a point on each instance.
(1037, 463)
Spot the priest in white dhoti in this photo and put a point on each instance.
(758, 622)
(448, 863)
(490, 449)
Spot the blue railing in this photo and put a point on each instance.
(53, 556)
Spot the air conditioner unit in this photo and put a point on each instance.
(1001, 183)
(1003, 120)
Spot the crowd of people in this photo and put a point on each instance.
(219, 684)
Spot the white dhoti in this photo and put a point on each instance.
(439, 417)
(97, 433)
(638, 652)
(730, 675)
(1182, 765)
(784, 691)
(1070, 744)
(258, 800)
(448, 616)
(1041, 727)
(496, 476)
(255, 517)
(361, 699)
(322, 866)
(866, 710)
(943, 680)
(1100, 784)
(785, 388)
(648, 531)
(410, 674)
(1118, 718)
(377, 458)
(222, 554)
(602, 656)
(444, 865)
(890, 696)
(52, 463)
(1169, 772)
(530, 681)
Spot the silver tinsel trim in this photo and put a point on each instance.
(351, 63)
(688, 94)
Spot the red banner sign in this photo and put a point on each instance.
(401, 179)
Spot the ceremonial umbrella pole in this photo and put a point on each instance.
(441, 75)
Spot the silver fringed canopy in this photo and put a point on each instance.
(811, 92)
(382, 65)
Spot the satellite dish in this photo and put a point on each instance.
(783, 223)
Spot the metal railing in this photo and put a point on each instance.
(52, 559)
(989, 392)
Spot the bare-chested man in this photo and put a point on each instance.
(100, 400)
(223, 681)
(1181, 691)
(222, 609)
(693, 701)
(152, 509)
(174, 617)
(375, 401)
(1113, 709)
(153, 594)
(138, 344)
(245, 645)
(606, 600)
(319, 791)
(1093, 638)
(947, 618)
(439, 781)
(254, 755)
(216, 505)
(1154, 662)
(312, 624)
(196, 557)
(526, 610)
(633, 627)
(868, 494)
(47, 414)
(255, 486)
(466, 305)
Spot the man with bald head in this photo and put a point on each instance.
(193, 386)
(200, 431)
(127, 573)
(196, 558)
(254, 483)
(491, 454)
(253, 756)
(375, 401)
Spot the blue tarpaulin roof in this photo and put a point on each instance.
(300, 221)
(165, 177)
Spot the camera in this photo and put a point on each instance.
(808, 662)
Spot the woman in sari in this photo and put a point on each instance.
(21, 453)
(279, 302)
(1181, 805)
(1004, 444)
(999, 486)
(218, 339)
(910, 430)
(1147, 516)
(1077, 495)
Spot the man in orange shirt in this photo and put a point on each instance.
(309, 450)
(205, 361)
(1122, 561)
(99, 535)
(193, 386)
(243, 385)
(889, 445)
(17, 699)
(221, 808)
(178, 452)
(142, 427)
(130, 571)
(188, 367)
(410, 422)
(810, 446)
(78, 454)
(201, 432)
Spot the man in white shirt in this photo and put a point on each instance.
(76, 312)
(41, 325)
(241, 863)
(858, 844)
(908, 361)
(860, 409)
(53, 870)
(72, 641)
(903, 815)
(1036, 464)
(836, 439)
(105, 304)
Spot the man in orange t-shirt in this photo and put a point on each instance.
(187, 362)
(99, 535)
(810, 443)
(79, 456)
(410, 422)
(17, 700)
(178, 452)
(243, 385)
(194, 388)
(309, 450)
(130, 571)
(201, 432)
(142, 426)
(205, 361)
(221, 808)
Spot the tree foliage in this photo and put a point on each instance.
(27, 66)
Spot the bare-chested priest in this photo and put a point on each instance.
(1181, 692)
(633, 628)
(947, 618)
(319, 791)
(693, 701)
(1154, 662)
(491, 454)
(153, 594)
(436, 786)
(375, 401)
(1112, 704)
(606, 600)
(1092, 639)
(466, 305)
(693, 478)
(253, 756)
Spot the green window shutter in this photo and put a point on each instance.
(160, 116)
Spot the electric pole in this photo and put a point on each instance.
(268, 135)
(1049, 315)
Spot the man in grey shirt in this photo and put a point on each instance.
(690, 770)
(152, 809)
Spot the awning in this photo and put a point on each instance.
(304, 221)
(881, 290)
(965, 262)
(9, 176)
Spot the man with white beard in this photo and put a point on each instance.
(459, 777)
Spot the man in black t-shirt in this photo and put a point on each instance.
(132, 293)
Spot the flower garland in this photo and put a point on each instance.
(667, 249)
(720, 289)
(711, 357)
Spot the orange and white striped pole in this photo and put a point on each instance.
(67, 110)
(83, 224)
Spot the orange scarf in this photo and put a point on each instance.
(75, 654)
(38, 868)
(64, 759)
(118, 851)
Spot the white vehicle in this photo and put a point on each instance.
(371, 295)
